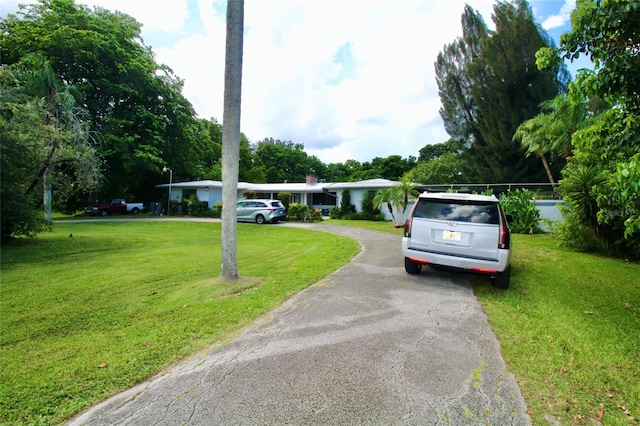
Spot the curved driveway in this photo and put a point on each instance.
(368, 345)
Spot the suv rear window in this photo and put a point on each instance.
(276, 204)
(458, 211)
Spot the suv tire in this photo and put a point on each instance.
(412, 268)
(501, 279)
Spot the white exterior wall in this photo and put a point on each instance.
(211, 196)
(549, 209)
(356, 200)
(176, 194)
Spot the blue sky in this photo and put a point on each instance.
(349, 79)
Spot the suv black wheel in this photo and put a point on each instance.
(412, 268)
(259, 219)
(501, 279)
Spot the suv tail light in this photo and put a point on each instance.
(407, 227)
(408, 222)
(505, 235)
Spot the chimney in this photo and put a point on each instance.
(312, 179)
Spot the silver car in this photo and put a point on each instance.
(458, 231)
(260, 211)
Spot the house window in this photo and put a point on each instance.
(324, 199)
(186, 193)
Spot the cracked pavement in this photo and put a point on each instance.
(368, 345)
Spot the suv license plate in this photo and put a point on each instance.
(452, 235)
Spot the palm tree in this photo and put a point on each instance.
(552, 129)
(403, 192)
(385, 196)
(69, 140)
(231, 137)
(531, 134)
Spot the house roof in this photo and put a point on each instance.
(279, 187)
(366, 184)
(193, 184)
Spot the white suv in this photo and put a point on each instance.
(459, 231)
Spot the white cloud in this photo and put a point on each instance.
(384, 102)
(289, 89)
(165, 15)
(561, 18)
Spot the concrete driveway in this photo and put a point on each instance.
(368, 345)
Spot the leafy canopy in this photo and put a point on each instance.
(489, 84)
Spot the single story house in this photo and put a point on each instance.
(321, 195)
(315, 194)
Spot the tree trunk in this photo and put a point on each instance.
(231, 137)
(548, 170)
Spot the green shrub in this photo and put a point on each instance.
(347, 211)
(285, 198)
(594, 201)
(196, 207)
(573, 234)
(217, 209)
(303, 213)
(367, 203)
(335, 212)
(315, 215)
(520, 204)
(345, 205)
(298, 212)
(249, 194)
(364, 216)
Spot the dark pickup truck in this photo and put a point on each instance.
(118, 205)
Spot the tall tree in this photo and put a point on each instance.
(453, 64)
(40, 129)
(70, 141)
(135, 103)
(551, 131)
(231, 137)
(607, 31)
(287, 161)
(434, 151)
(22, 150)
(489, 84)
(392, 167)
(446, 169)
(600, 182)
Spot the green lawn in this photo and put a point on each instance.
(86, 316)
(569, 328)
